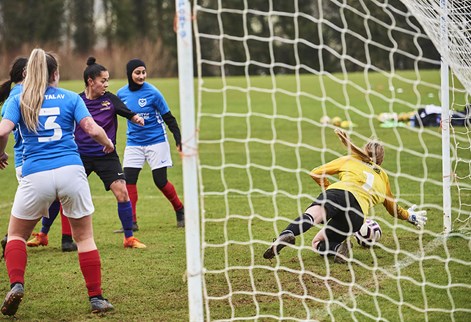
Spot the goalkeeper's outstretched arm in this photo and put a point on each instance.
(417, 218)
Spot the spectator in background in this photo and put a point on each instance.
(149, 143)
(46, 116)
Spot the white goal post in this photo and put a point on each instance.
(274, 78)
(448, 24)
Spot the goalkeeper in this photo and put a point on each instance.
(343, 205)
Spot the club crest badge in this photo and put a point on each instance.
(142, 102)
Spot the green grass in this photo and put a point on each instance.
(254, 164)
(143, 285)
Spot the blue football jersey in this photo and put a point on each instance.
(150, 104)
(18, 147)
(53, 145)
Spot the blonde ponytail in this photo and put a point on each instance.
(373, 151)
(40, 71)
(34, 86)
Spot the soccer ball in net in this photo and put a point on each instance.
(369, 233)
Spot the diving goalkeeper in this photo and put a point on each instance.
(343, 205)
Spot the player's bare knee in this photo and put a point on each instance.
(85, 245)
(119, 190)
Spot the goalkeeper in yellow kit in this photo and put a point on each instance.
(343, 205)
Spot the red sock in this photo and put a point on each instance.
(132, 192)
(169, 191)
(66, 230)
(90, 265)
(15, 259)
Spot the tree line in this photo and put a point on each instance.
(313, 39)
(114, 31)
(312, 36)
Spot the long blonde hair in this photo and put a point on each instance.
(373, 151)
(39, 72)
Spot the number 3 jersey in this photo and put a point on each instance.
(53, 145)
(150, 104)
(368, 182)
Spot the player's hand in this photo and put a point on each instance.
(136, 119)
(417, 218)
(3, 160)
(109, 147)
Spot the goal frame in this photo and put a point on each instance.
(194, 273)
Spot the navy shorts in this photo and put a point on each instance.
(344, 214)
(107, 167)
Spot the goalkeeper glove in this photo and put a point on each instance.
(417, 218)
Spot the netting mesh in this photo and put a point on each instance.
(274, 79)
(449, 28)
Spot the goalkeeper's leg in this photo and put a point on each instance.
(314, 214)
(332, 240)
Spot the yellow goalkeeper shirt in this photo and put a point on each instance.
(368, 182)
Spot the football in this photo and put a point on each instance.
(369, 233)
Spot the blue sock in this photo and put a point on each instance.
(125, 215)
(53, 212)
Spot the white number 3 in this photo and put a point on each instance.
(50, 124)
(369, 181)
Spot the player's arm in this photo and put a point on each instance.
(417, 218)
(161, 106)
(172, 124)
(6, 126)
(320, 173)
(97, 133)
(122, 110)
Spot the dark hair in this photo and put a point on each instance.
(16, 76)
(93, 70)
(52, 65)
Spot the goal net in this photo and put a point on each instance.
(275, 78)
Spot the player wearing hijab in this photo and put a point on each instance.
(343, 205)
(149, 143)
(46, 116)
(17, 75)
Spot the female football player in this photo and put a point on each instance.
(17, 75)
(343, 205)
(46, 116)
(149, 143)
(104, 106)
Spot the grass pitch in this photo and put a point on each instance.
(254, 169)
